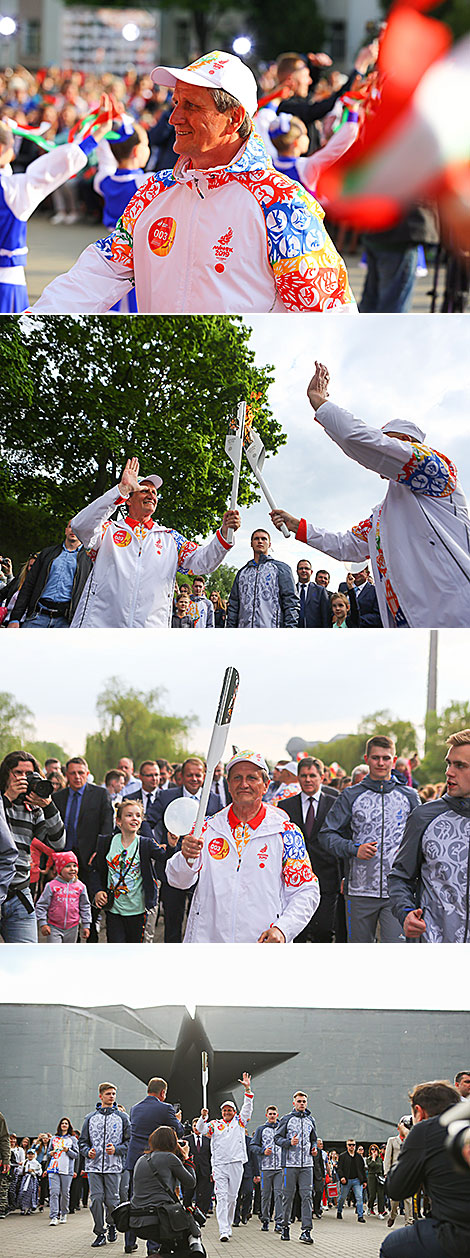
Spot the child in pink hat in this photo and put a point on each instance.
(64, 903)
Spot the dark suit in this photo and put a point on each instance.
(321, 927)
(228, 797)
(367, 605)
(95, 817)
(202, 1166)
(317, 607)
(152, 814)
(174, 900)
(145, 1117)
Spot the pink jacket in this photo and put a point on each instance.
(64, 904)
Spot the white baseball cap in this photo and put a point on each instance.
(406, 426)
(155, 480)
(215, 69)
(229, 1103)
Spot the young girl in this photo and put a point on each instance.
(124, 875)
(344, 614)
(64, 903)
(63, 1154)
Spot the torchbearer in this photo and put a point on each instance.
(228, 1153)
(132, 581)
(255, 883)
(417, 538)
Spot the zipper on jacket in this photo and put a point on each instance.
(193, 216)
(136, 586)
(467, 910)
(104, 1144)
(382, 840)
(254, 596)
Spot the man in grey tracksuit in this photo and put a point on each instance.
(268, 1160)
(365, 828)
(263, 595)
(103, 1142)
(297, 1137)
(429, 885)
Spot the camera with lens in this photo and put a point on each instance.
(38, 786)
(457, 1123)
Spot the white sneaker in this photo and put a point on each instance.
(53, 1222)
(72, 218)
(58, 218)
(63, 1218)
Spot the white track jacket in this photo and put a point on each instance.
(228, 1142)
(132, 581)
(240, 238)
(249, 878)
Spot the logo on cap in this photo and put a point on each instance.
(121, 538)
(161, 236)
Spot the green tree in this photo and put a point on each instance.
(221, 580)
(44, 751)
(162, 388)
(134, 724)
(16, 724)
(349, 751)
(438, 728)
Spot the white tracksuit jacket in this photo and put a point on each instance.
(240, 238)
(417, 538)
(132, 581)
(236, 899)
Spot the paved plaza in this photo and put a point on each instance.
(54, 249)
(32, 1235)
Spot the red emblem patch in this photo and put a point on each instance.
(161, 236)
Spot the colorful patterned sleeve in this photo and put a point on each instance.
(309, 273)
(185, 549)
(296, 867)
(428, 472)
(118, 248)
(362, 529)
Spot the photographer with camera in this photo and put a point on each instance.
(6, 570)
(29, 813)
(424, 1159)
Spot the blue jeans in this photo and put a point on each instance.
(356, 1186)
(389, 281)
(16, 924)
(419, 1241)
(42, 621)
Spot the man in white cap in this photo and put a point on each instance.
(288, 783)
(135, 560)
(255, 883)
(221, 233)
(228, 1153)
(359, 586)
(417, 538)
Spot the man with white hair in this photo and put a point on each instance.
(417, 538)
(220, 233)
(228, 1153)
(136, 560)
(255, 883)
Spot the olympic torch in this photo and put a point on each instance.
(234, 449)
(255, 453)
(184, 816)
(205, 1078)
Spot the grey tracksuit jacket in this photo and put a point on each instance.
(263, 596)
(303, 1126)
(371, 812)
(431, 870)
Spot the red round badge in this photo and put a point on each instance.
(161, 236)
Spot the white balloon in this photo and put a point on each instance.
(180, 815)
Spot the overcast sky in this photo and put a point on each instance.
(408, 366)
(395, 976)
(314, 683)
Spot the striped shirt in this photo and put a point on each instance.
(26, 824)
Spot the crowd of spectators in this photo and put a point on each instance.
(264, 593)
(285, 1170)
(86, 861)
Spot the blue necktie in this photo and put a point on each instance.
(72, 820)
(302, 606)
